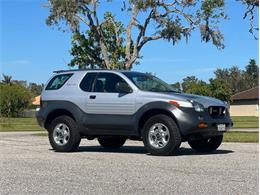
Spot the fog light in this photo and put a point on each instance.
(202, 125)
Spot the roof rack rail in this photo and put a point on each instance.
(74, 70)
(60, 71)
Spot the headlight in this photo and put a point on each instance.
(227, 104)
(179, 103)
(197, 106)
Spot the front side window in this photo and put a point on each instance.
(107, 83)
(58, 81)
(147, 82)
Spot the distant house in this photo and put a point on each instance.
(245, 103)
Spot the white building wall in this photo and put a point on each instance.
(244, 110)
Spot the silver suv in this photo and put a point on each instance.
(113, 106)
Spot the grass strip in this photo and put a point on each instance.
(245, 122)
(237, 136)
(19, 124)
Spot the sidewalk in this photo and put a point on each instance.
(245, 129)
(19, 133)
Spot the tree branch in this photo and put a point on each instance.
(83, 20)
(141, 34)
(144, 27)
(129, 34)
(95, 11)
(97, 28)
(147, 39)
(177, 11)
(116, 31)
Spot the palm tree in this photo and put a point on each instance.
(7, 79)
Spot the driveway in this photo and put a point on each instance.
(29, 166)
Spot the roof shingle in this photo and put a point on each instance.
(250, 94)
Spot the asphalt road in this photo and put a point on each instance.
(29, 166)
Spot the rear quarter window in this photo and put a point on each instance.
(58, 81)
(87, 81)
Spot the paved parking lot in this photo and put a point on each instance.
(29, 166)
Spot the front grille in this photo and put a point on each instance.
(217, 111)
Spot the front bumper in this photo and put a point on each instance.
(189, 123)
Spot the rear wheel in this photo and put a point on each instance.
(161, 135)
(111, 142)
(63, 134)
(206, 145)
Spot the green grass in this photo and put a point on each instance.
(245, 122)
(19, 124)
(235, 136)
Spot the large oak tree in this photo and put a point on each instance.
(106, 43)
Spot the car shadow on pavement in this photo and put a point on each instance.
(123, 149)
(141, 150)
(188, 151)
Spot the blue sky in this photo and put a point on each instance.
(30, 50)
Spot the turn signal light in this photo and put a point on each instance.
(175, 103)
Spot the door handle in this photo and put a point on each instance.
(92, 97)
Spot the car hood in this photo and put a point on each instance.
(204, 100)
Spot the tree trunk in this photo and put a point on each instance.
(105, 55)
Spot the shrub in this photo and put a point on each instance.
(14, 99)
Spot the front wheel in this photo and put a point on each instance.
(161, 135)
(207, 144)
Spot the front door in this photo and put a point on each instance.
(107, 107)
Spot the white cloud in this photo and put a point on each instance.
(19, 62)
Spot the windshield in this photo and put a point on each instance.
(148, 82)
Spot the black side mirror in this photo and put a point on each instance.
(122, 87)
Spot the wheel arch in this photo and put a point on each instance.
(152, 112)
(56, 113)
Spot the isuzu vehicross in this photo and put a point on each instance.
(113, 106)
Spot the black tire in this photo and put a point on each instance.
(74, 136)
(111, 142)
(174, 140)
(207, 144)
